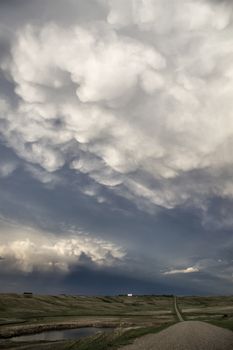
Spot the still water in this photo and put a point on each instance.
(62, 334)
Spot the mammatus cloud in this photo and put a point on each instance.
(186, 270)
(7, 168)
(40, 252)
(147, 15)
(102, 99)
(139, 102)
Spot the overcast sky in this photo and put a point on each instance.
(116, 139)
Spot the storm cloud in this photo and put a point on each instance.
(124, 110)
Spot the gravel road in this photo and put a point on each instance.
(178, 314)
(188, 335)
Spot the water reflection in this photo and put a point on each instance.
(62, 334)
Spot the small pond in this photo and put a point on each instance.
(61, 334)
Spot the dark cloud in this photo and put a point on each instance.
(16, 13)
(116, 133)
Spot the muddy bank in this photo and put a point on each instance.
(8, 332)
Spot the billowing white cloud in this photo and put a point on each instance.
(141, 102)
(166, 16)
(30, 250)
(7, 168)
(47, 178)
(186, 270)
(101, 65)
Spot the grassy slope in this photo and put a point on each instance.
(17, 306)
(216, 310)
(149, 313)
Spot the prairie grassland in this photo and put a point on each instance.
(19, 306)
(131, 316)
(217, 310)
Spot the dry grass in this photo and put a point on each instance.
(217, 310)
(22, 315)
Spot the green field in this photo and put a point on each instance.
(130, 316)
(216, 310)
